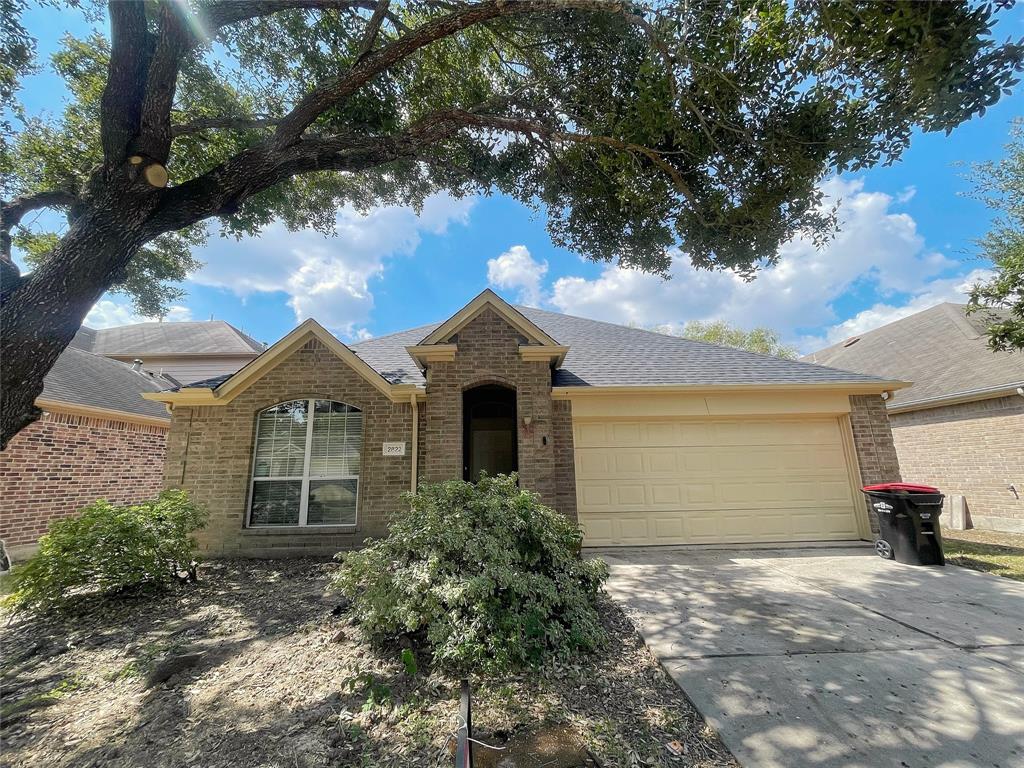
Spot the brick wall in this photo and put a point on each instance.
(210, 454)
(62, 462)
(488, 353)
(971, 449)
(565, 459)
(873, 441)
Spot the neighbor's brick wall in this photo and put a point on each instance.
(210, 455)
(972, 449)
(488, 353)
(62, 462)
(873, 441)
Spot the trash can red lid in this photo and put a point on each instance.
(907, 487)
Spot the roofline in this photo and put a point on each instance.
(132, 355)
(984, 393)
(78, 409)
(239, 381)
(850, 387)
(485, 298)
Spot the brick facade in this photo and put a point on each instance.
(973, 449)
(210, 455)
(873, 442)
(62, 462)
(488, 353)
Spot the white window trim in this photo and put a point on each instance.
(305, 477)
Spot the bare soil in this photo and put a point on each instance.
(252, 667)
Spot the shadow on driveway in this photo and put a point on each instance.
(834, 657)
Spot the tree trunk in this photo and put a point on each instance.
(41, 316)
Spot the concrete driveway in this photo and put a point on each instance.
(834, 657)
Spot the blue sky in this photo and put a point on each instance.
(906, 243)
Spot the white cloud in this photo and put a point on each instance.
(328, 279)
(516, 270)
(875, 245)
(107, 313)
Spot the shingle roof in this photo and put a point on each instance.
(82, 378)
(604, 354)
(942, 350)
(211, 337)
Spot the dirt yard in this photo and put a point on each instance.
(252, 668)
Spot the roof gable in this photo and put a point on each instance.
(223, 390)
(488, 298)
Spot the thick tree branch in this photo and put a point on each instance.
(335, 90)
(173, 41)
(121, 106)
(14, 210)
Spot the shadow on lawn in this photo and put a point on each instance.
(271, 684)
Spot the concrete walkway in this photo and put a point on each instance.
(834, 657)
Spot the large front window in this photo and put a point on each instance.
(306, 468)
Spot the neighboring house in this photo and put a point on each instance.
(97, 438)
(644, 438)
(960, 427)
(184, 351)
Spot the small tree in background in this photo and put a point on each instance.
(1001, 186)
(762, 340)
(483, 575)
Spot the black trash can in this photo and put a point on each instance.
(908, 522)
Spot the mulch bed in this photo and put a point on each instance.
(252, 667)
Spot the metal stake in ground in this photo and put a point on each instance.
(463, 744)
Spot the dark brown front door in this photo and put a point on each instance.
(489, 431)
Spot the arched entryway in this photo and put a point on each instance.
(489, 441)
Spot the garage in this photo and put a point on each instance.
(708, 480)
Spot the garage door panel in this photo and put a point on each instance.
(713, 480)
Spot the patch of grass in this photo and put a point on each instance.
(32, 701)
(992, 551)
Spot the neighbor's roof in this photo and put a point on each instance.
(942, 350)
(82, 378)
(210, 337)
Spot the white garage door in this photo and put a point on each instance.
(704, 481)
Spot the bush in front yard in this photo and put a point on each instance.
(107, 549)
(487, 576)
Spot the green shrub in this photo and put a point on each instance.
(487, 576)
(107, 549)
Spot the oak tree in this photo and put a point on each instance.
(700, 125)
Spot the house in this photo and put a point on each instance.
(97, 438)
(185, 351)
(960, 427)
(642, 437)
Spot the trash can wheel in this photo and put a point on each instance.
(884, 549)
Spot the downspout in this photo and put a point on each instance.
(415, 441)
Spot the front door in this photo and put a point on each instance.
(489, 431)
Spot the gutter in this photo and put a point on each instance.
(983, 393)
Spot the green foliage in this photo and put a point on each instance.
(487, 576)
(1001, 299)
(762, 340)
(107, 549)
(703, 126)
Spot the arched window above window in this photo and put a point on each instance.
(306, 464)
